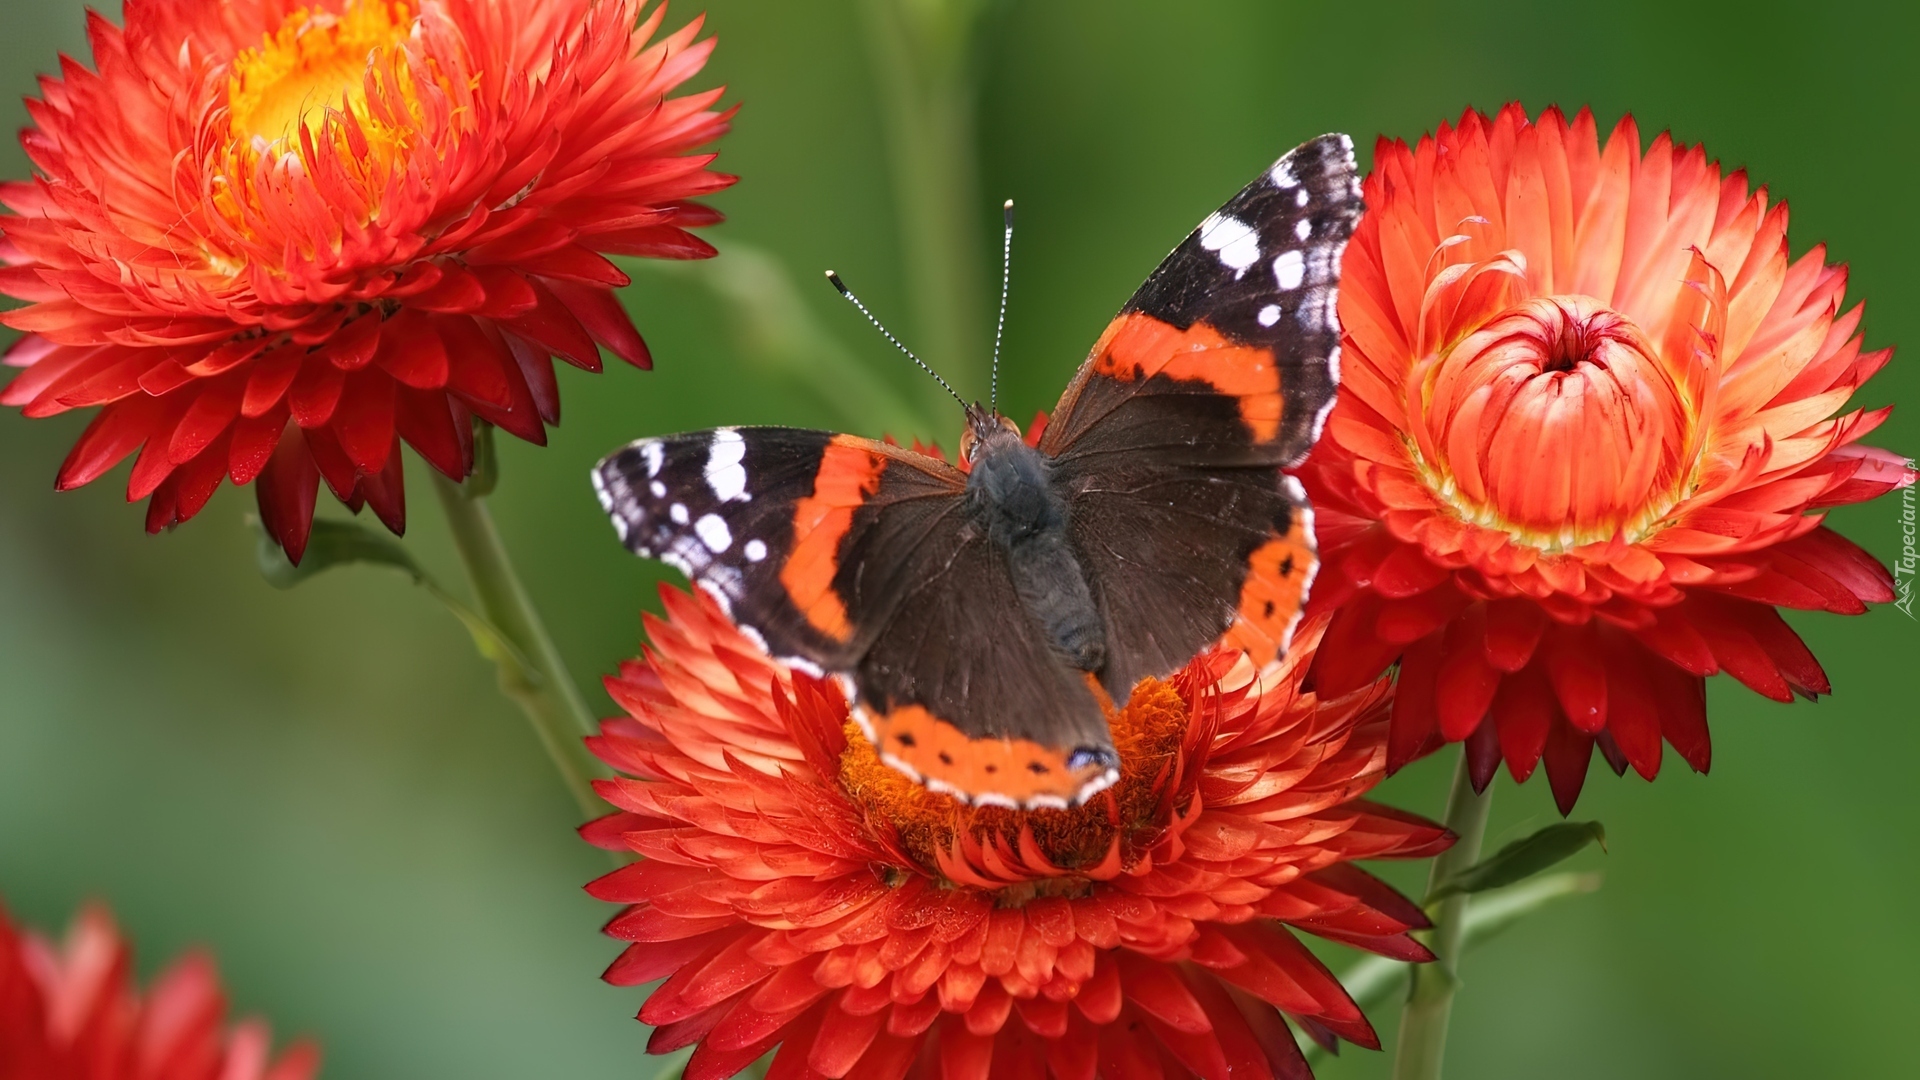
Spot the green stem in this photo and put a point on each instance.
(1423, 1026)
(541, 685)
(922, 53)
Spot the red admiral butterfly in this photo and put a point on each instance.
(978, 614)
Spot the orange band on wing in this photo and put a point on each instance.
(1136, 347)
(849, 474)
(1275, 589)
(942, 757)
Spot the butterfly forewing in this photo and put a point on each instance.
(720, 507)
(1169, 443)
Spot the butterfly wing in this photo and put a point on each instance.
(754, 517)
(861, 560)
(1169, 444)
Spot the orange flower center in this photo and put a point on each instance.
(1558, 423)
(1147, 733)
(315, 62)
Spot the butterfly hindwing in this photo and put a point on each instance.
(1171, 441)
(962, 690)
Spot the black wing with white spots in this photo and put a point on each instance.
(718, 506)
(1265, 270)
(1214, 377)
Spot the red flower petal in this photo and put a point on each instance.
(1585, 388)
(286, 491)
(397, 231)
(831, 918)
(72, 1010)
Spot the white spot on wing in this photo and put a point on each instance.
(1305, 508)
(1333, 372)
(714, 533)
(606, 503)
(754, 636)
(1289, 269)
(1269, 315)
(1232, 239)
(1282, 174)
(1313, 310)
(1320, 264)
(756, 551)
(655, 454)
(1300, 197)
(678, 512)
(801, 663)
(1303, 229)
(1096, 785)
(719, 594)
(725, 473)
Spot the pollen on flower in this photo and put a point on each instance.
(1147, 732)
(324, 94)
(315, 61)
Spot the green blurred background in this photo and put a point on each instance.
(323, 786)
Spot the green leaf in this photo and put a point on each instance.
(1523, 858)
(331, 544)
(334, 543)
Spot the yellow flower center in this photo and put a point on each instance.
(315, 61)
(1147, 733)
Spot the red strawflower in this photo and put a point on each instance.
(795, 891)
(1587, 403)
(274, 239)
(72, 1013)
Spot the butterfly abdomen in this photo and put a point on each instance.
(1009, 491)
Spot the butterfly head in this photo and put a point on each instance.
(984, 427)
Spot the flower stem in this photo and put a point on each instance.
(923, 58)
(1423, 1026)
(540, 685)
(1373, 980)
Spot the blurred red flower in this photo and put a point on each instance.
(1587, 403)
(275, 239)
(797, 892)
(71, 1013)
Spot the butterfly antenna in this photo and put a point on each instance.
(1000, 327)
(888, 334)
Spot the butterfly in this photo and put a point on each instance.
(981, 615)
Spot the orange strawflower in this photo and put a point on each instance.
(71, 1013)
(273, 240)
(1587, 406)
(796, 892)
